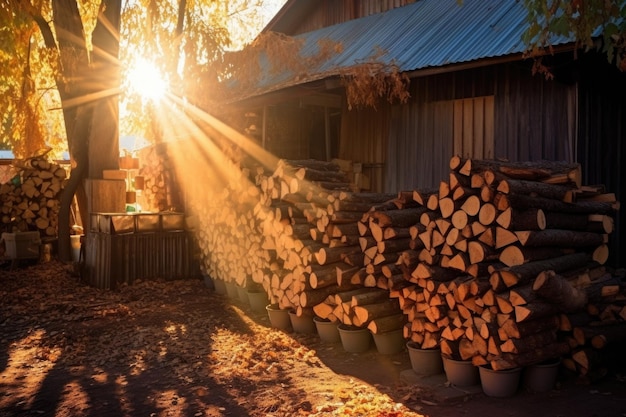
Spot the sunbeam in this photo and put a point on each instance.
(221, 171)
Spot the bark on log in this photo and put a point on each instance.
(534, 188)
(387, 323)
(560, 238)
(559, 291)
(541, 354)
(522, 274)
(600, 336)
(529, 342)
(535, 311)
(515, 255)
(398, 218)
(522, 202)
(363, 314)
(531, 219)
(512, 329)
(370, 297)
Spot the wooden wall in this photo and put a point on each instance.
(330, 12)
(601, 131)
(501, 112)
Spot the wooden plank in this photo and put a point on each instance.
(468, 131)
(478, 128)
(489, 146)
(458, 128)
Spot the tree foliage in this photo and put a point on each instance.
(29, 101)
(188, 41)
(593, 24)
(185, 39)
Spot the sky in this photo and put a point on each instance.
(270, 8)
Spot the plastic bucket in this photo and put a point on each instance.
(502, 383)
(354, 340)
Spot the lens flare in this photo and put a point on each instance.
(146, 80)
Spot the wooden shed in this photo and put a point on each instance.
(472, 93)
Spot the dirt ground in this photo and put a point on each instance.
(179, 349)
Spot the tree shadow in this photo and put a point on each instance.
(134, 360)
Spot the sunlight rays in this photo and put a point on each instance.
(88, 98)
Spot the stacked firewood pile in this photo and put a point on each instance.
(296, 194)
(503, 252)
(30, 200)
(158, 184)
(232, 248)
(502, 264)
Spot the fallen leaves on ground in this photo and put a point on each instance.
(162, 348)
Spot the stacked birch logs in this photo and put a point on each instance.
(30, 202)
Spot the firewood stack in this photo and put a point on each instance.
(30, 202)
(354, 267)
(298, 196)
(471, 267)
(227, 233)
(159, 192)
(489, 234)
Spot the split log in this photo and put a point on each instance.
(523, 202)
(600, 336)
(309, 298)
(522, 274)
(504, 237)
(531, 219)
(387, 323)
(512, 329)
(515, 255)
(421, 197)
(523, 294)
(528, 343)
(447, 206)
(560, 238)
(393, 232)
(535, 188)
(369, 297)
(538, 355)
(398, 218)
(434, 272)
(363, 314)
(559, 291)
(535, 311)
(471, 205)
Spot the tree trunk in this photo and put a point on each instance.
(79, 118)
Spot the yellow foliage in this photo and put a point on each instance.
(370, 82)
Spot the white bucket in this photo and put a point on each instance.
(75, 243)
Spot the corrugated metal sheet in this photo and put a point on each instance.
(425, 34)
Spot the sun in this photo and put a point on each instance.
(146, 80)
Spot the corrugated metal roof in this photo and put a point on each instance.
(425, 34)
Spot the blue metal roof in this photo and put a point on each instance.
(425, 34)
